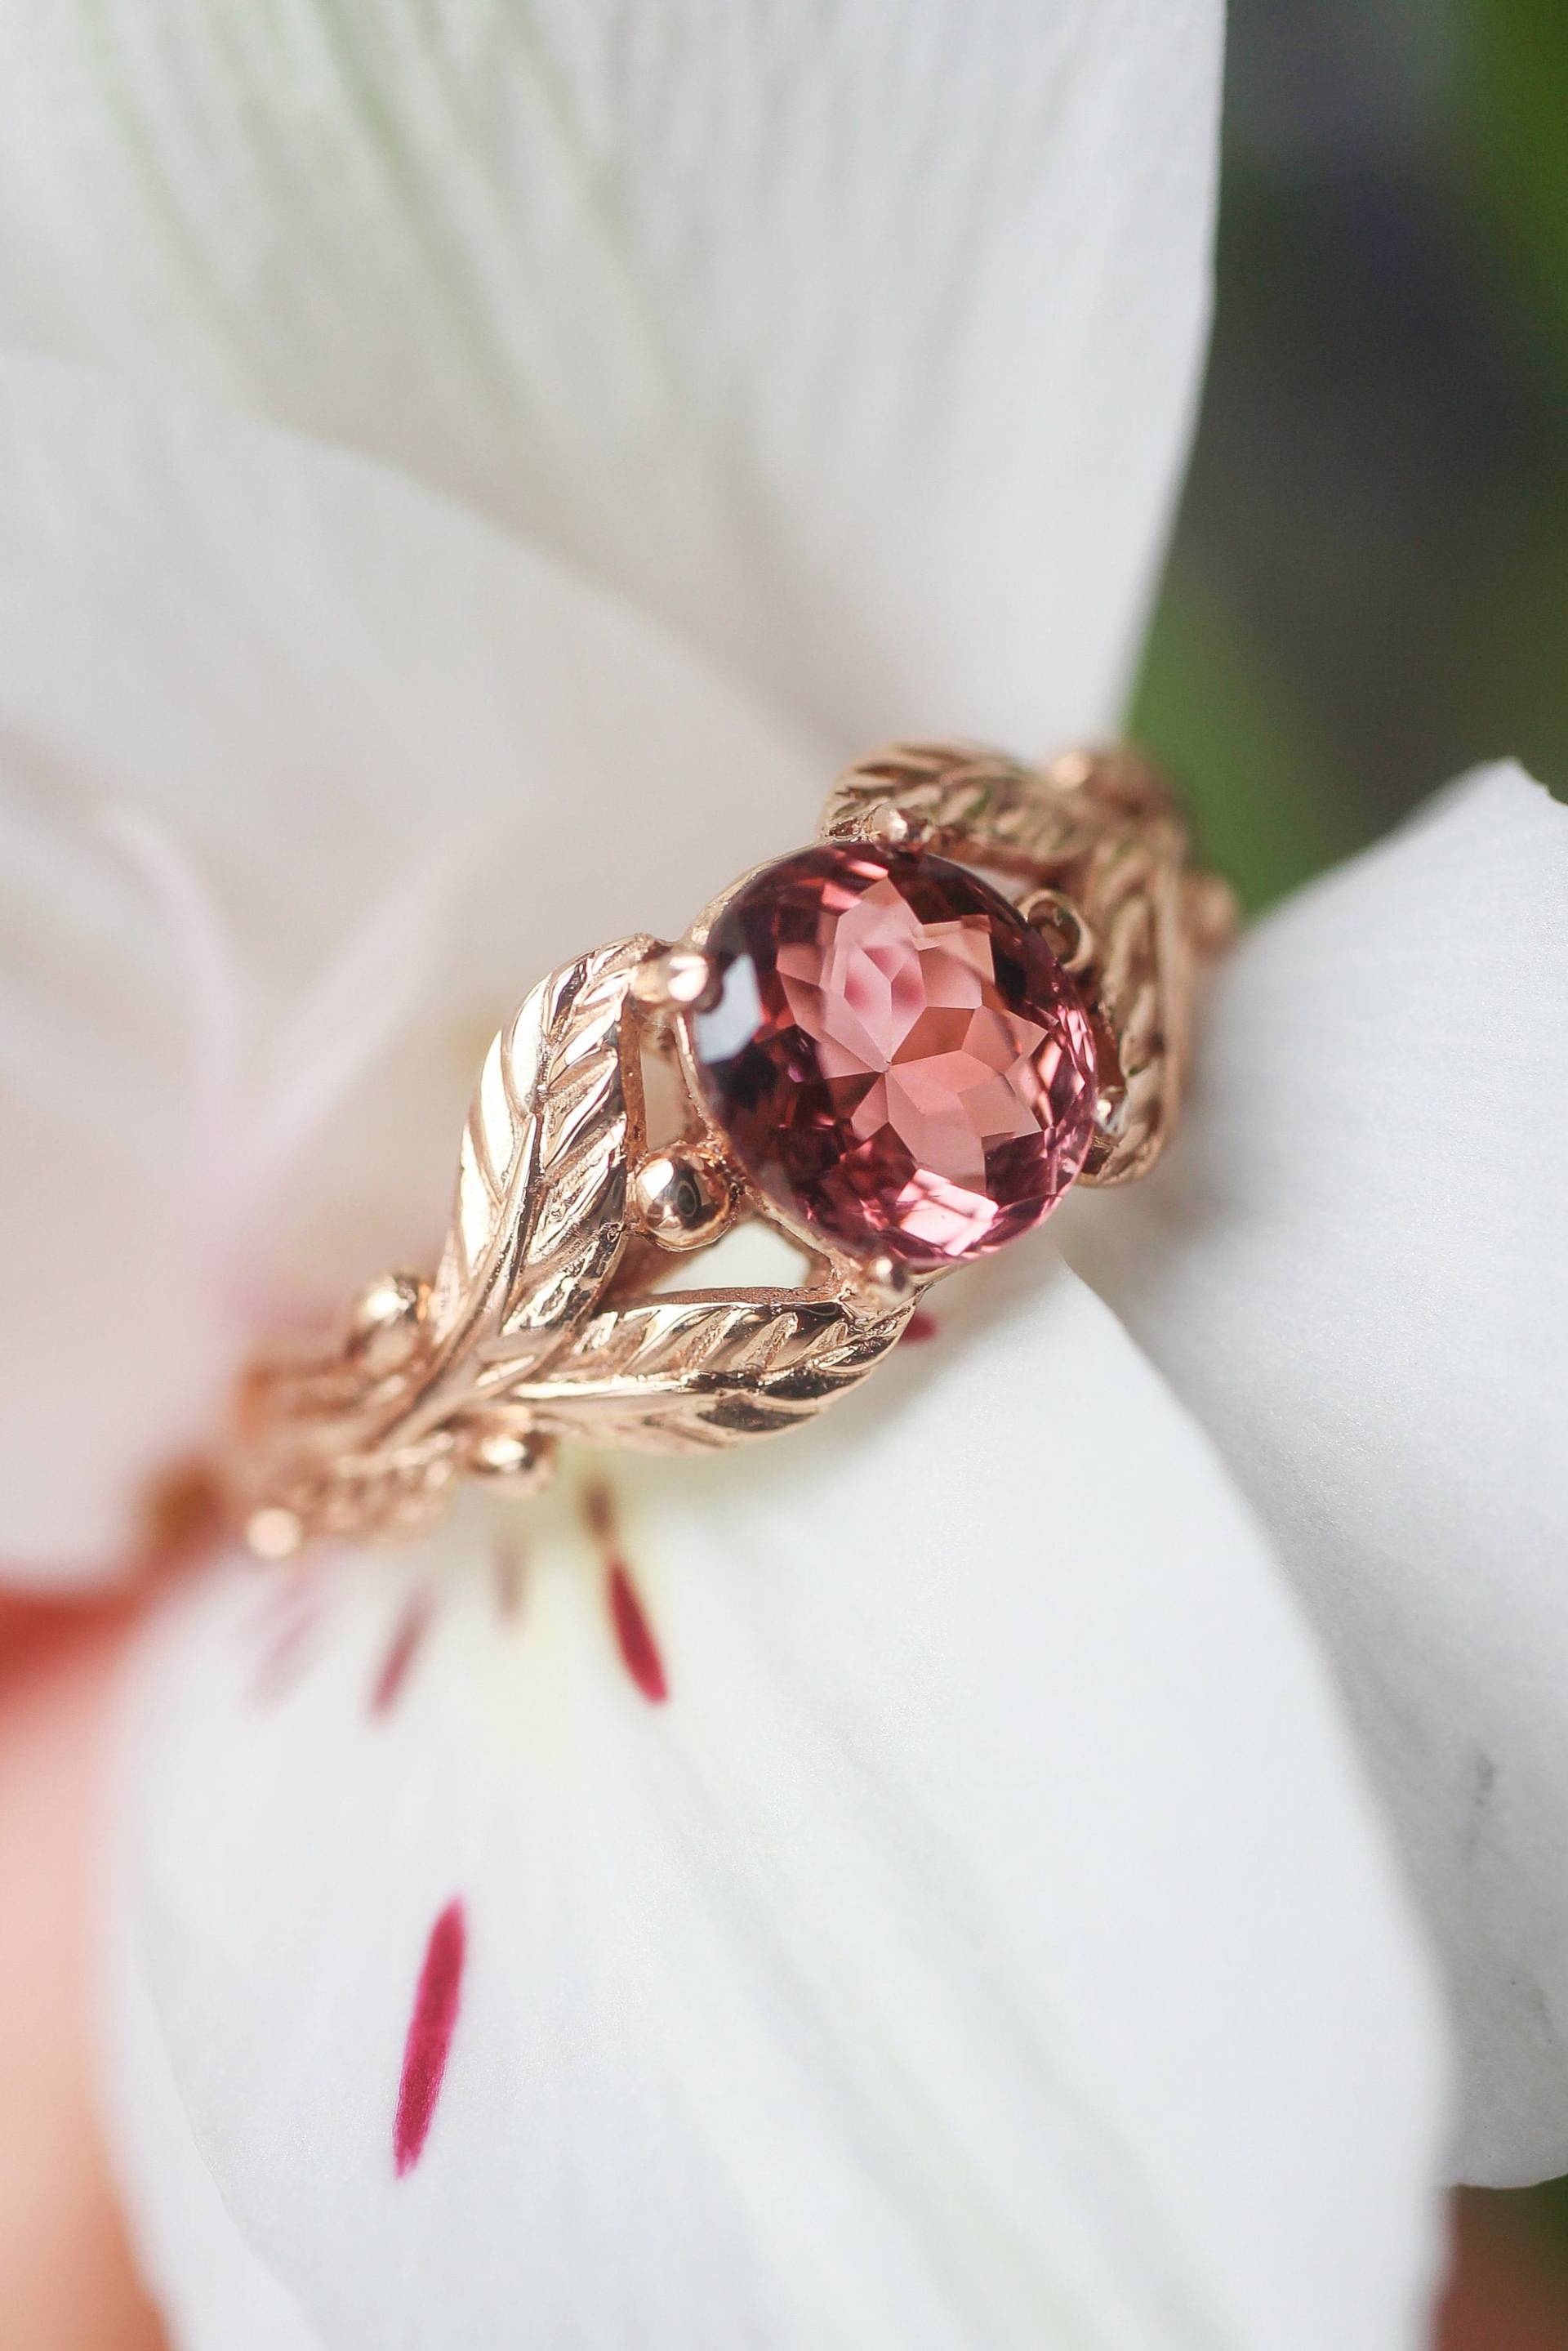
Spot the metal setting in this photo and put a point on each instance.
(541, 1321)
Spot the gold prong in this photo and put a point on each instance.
(273, 1533)
(1071, 771)
(1062, 926)
(385, 1322)
(681, 980)
(509, 1462)
(892, 827)
(1111, 1114)
(681, 1196)
(879, 1286)
(1212, 913)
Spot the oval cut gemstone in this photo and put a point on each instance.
(895, 1056)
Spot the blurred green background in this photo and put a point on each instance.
(1368, 589)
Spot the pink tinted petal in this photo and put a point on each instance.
(69, 2280)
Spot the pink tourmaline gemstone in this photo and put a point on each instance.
(895, 1056)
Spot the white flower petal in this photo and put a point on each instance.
(1355, 1267)
(861, 342)
(109, 1350)
(213, 2292)
(985, 1942)
(256, 700)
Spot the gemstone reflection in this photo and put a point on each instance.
(896, 1059)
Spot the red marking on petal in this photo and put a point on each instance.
(639, 1649)
(920, 1327)
(429, 2041)
(286, 1593)
(508, 1562)
(295, 1618)
(598, 1511)
(401, 1650)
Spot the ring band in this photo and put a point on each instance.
(898, 1046)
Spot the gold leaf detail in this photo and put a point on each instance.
(538, 1220)
(691, 1373)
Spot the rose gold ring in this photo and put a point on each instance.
(898, 1048)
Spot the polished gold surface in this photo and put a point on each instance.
(541, 1321)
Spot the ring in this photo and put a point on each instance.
(898, 1048)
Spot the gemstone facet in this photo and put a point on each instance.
(894, 1058)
